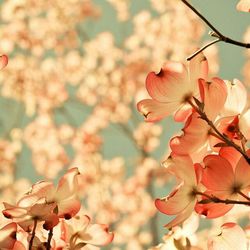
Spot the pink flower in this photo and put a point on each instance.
(224, 181)
(25, 216)
(172, 88)
(83, 233)
(64, 196)
(196, 133)
(46, 203)
(182, 200)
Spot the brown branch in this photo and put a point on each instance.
(33, 234)
(203, 48)
(50, 235)
(215, 199)
(215, 33)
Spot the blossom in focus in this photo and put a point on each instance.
(46, 203)
(181, 201)
(224, 181)
(196, 132)
(172, 88)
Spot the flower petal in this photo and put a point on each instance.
(68, 184)
(243, 5)
(181, 217)
(8, 236)
(155, 111)
(218, 174)
(169, 84)
(231, 236)
(3, 61)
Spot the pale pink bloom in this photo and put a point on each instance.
(83, 233)
(181, 201)
(25, 216)
(244, 5)
(46, 203)
(64, 196)
(231, 236)
(172, 88)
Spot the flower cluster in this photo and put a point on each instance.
(210, 159)
(56, 210)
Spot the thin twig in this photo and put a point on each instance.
(33, 234)
(50, 235)
(203, 48)
(215, 33)
(215, 199)
(243, 195)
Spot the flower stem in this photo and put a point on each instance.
(33, 234)
(50, 235)
(215, 33)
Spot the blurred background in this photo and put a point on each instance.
(76, 70)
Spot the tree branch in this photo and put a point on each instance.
(215, 33)
(214, 199)
(203, 48)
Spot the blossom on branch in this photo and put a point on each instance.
(172, 88)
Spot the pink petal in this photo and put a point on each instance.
(68, 184)
(68, 208)
(38, 191)
(214, 95)
(218, 174)
(231, 154)
(194, 137)
(244, 124)
(168, 84)
(176, 202)
(14, 211)
(182, 114)
(181, 217)
(8, 236)
(154, 110)
(51, 221)
(3, 61)
(236, 98)
(242, 172)
(198, 67)
(213, 210)
(244, 5)
(18, 246)
(231, 236)
(97, 235)
(181, 166)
